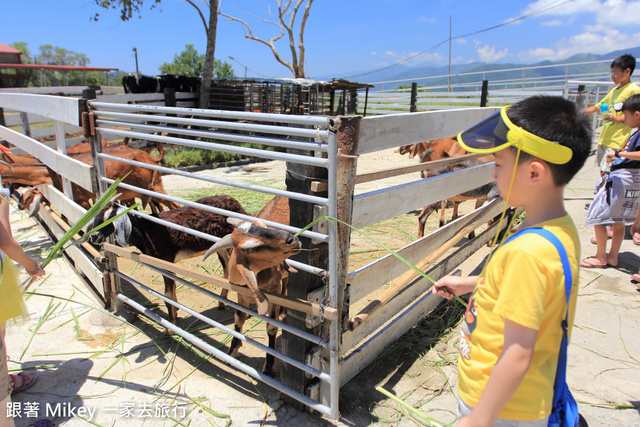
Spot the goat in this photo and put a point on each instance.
(85, 147)
(34, 174)
(163, 242)
(480, 194)
(257, 261)
(276, 210)
(436, 150)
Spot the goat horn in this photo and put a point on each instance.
(224, 243)
(114, 198)
(7, 164)
(35, 206)
(235, 221)
(425, 154)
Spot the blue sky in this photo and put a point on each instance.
(342, 38)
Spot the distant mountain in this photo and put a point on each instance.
(479, 67)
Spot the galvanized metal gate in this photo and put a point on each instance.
(310, 141)
(323, 346)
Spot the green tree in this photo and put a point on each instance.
(190, 63)
(30, 76)
(129, 7)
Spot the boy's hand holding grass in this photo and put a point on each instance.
(452, 286)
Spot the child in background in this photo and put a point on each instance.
(511, 332)
(617, 199)
(11, 303)
(615, 132)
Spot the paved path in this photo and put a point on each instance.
(114, 373)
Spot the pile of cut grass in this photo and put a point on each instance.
(177, 156)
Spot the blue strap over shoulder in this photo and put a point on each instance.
(565, 408)
(566, 267)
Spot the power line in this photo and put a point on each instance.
(536, 12)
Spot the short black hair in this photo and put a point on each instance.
(631, 104)
(555, 118)
(623, 62)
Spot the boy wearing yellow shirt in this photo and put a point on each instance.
(511, 332)
(615, 132)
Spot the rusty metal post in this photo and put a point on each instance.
(112, 285)
(341, 189)
(299, 179)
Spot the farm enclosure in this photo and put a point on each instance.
(320, 352)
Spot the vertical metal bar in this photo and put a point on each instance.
(343, 149)
(334, 332)
(225, 357)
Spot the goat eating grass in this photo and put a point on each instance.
(167, 243)
(257, 261)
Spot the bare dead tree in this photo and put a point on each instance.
(285, 21)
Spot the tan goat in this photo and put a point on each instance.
(257, 260)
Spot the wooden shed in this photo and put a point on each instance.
(10, 55)
(286, 96)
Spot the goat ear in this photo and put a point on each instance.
(123, 230)
(222, 244)
(250, 244)
(35, 206)
(252, 283)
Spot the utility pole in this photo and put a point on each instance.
(245, 67)
(449, 76)
(135, 53)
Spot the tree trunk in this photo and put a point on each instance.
(205, 86)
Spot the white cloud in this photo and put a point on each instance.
(587, 42)
(603, 27)
(553, 23)
(488, 53)
(425, 19)
(607, 14)
(408, 58)
(461, 41)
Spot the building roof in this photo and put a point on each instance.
(56, 67)
(8, 49)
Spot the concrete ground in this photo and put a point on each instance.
(94, 369)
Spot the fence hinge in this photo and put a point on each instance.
(88, 124)
(108, 289)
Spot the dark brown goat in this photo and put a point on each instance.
(163, 242)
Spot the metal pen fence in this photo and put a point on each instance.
(320, 351)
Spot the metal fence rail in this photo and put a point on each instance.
(312, 140)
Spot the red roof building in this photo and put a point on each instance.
(9, 55)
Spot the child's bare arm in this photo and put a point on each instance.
(449, 286)
(507, 374)
(632, 155)
(591, 110)
(13, 250)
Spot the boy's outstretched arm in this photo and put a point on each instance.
(507, 374)
(448, 286)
